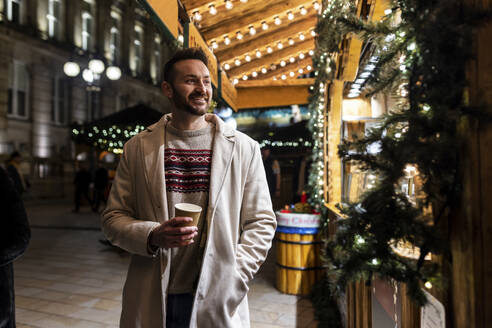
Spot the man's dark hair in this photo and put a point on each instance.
(188, 53)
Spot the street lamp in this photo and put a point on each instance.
(93, 72)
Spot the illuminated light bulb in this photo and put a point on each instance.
(197, 16)
(291, 41)
(283, 77)
(426, 108)
(280, 45)
(244, 1)
(263, 70)
(311, 52)
(273, 67)
(428, 285)
(227, 67)
(301, 37)
(212, 10)
(303, 10)
(239, 36)
(300, 71)
(264, 26)
(277, 20)
(248, 58)
(411, 46)
(254, 74)
(235, 81)
(282, 63)
(180, 38)
(375, 261)
(245, 77)
(228, 4)
(227, 41)
(237, 62)
(388, 11)
(291, 74)
(301, 55)
(252, 30)
(313, 33)
(269, 50)
(315, 5)
(274, 78)
(214, 45)
(290, 15)
(359, 240)
(292, 59)
(258, 53)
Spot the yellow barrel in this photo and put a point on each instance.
(298, 260)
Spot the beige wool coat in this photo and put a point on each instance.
(241, 226)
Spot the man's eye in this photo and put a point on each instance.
(206, 82)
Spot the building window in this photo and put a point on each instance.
(59, 108)
(155, 68)
(86, 30)
(14, 9)
(54, 15)
(115, 38)
(138, 50)
(18, 91)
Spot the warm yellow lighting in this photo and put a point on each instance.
(300, 71)
(428, 285)
(258, 53)
(228, 4)
(277, 20)
(248, 58)
(313, 33)
(245, 77)
(235, 81)
(308, 67)
(280, 45)
(292, 59)
(214, 45)
(254, 74)
(237, 62)
(227, 67)
(315, 5)
(290, 15)
(301, 55)
(311, 52)
(282, 63)
(264, 26)
(252, 30)
(291, 74)
(263, 70)
(239, 36)
(269, 50)
(303, 10)
(227, 41)
(291, 41)
(283, 77)
(301, 37)
(212, 10)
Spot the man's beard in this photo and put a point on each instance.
(181, 103)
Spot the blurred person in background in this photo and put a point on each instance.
(272, 170)
(14, 238)
(100, 185)
(82, 181)
(14, 172)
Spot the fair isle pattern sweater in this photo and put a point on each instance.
(187, 164)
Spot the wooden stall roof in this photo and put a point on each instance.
(258, 40)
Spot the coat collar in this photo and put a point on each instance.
(153, 156)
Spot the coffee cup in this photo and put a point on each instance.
(188, 210)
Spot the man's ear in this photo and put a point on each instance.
(167, 89)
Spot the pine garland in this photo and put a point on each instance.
(422, 48)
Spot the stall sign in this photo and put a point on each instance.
(298, 220)
(167, 11)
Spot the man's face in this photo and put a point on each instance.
(191, 89)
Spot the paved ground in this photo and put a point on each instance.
(67, 278)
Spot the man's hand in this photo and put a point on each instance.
(174, 233)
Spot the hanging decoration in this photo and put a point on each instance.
(421, 48)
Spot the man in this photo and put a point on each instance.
(14, 172)
(82, 182)
(100, 184)
(189, 276)
(272, 171)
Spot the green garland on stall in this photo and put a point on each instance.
(421, 47)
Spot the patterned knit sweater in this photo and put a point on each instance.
(187, 163)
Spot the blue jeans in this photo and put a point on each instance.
(178, 311)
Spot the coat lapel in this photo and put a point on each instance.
(223, 149)
(153, 156)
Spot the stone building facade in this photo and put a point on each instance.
(38, 102)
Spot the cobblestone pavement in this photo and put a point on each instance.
(68, 278)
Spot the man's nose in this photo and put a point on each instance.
(201, 86)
